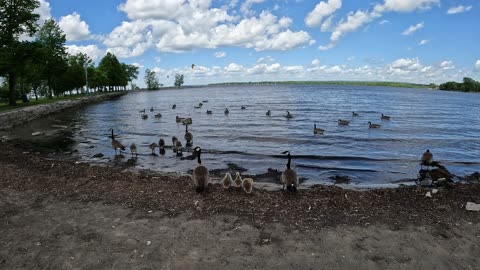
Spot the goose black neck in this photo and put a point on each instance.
(199, 161)
(113, 138)
(289, 160)
(186, 128)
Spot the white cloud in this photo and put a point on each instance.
(412, 29)
(316, 62)
(73, 27)
(445, 65)
(220, 54)
(459, 9)
(423, 42)
(406, 64)
(232, 67)
(265, 60)
(91, 50)
(353, 22)
(382, 22)
(321, 11)
(44, 11)
(327, 24)
(245, 7)
(405, 5)
(477, 65)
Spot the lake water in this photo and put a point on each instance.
(447, 123)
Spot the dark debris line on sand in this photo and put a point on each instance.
(307, 210)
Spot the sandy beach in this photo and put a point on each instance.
(62, 214)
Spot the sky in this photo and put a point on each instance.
(419, 41)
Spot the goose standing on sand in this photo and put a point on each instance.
(188, 137)
(355, 114)
(152, 147)
(426, 160)
(343, 122)
(116, 144)
(385, 117)
(288, 115)
(226, 111)
(227, 181)
(238, 180)
(200, 174)
(317, 130)
(269, 113)
(289, 177)
(133, 149)
(370, 125)
(161, 146)
(247, 185)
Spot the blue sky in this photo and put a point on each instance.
(254, 40)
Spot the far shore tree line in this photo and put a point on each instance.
(152, 81)
(34, 60)
(468, 85)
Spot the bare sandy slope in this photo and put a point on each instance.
(39, 232)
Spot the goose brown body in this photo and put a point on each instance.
(247, 185)
(200, 174)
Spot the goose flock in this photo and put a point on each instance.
(200, 175)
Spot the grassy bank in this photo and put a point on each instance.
(365, 83)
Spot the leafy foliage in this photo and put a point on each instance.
(178, 80)
(468, 85)
(151, 80)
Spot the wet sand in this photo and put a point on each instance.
(61, 214)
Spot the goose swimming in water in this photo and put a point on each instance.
(317, 130)
(133, 149)
(355, 114)
(370, 125)
(188, 137)
(174, 106)
(226, 111)
(269, 113)
(209, 112)
(343, 122)
(288, 115)
(385, 117)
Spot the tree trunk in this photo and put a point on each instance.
(12, 80)
(50, 96)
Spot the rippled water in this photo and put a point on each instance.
(447, 123)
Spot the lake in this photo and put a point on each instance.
(447, 123)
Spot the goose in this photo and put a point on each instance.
(197, 107)
(209, 112)
(427, 159)
(243, 108)
(247, 185)
(151, 109)
(142, 111)
(343, 122)
(289, 177)
(178, 148)
(204, 101)
(227, 181)
(174, 139)
(188, 137)
(187, 121)
(200, 174)
(370, 125)
(133, 149)
(288, 115)
(268, 113)
(158, 115)
(161, 146)
(317, 130)
(226, 111)
(144, 116)
(152, 147)
(355, 114)
(238, 180)
(200, 104)
(174, 106)
(179, 119)
(116, 144)
(385, 117)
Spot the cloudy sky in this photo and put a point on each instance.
(263, 40)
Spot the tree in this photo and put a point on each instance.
(151, 80)
(131, 71)
(115, 72)
(178, 80)
(16, 18)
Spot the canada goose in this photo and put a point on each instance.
(161, 146)
(288, 115)
(197, 107)
(289, 177)
(188, 137)
(200, 175)
(158, 115)
(152, 147)
(355, 114)
(370, 125)
(151, 109)
(187, 121)
(238, 180)
(385, 117)
(133, 149)
(116, 144)
(174, 139)
(179, 119)
(142, 111)
(227, 181)
(427, 159)
(226, 111)
(243, 108)
(200, 104)
(174, 106)
(343, 122)
(204, 101)
(268, 113)
(144, 116)
(317, 130)
(178, 148)
(247, 185)
(437, 174)
(209, 112)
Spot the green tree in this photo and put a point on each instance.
(151, 80)
(114, 70)
(16, 18)
(178, 80)
(131, 71)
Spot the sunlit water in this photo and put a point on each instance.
(447, 123)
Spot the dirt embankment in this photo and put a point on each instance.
(57, 214)
(11, 118)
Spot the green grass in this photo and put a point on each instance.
(366, 83)
(4, 106)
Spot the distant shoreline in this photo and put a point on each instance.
(365, 83)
